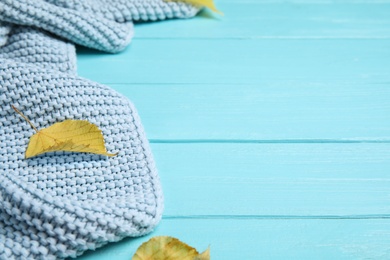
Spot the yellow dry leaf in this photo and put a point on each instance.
(168, 248)
(202, 3)
(69, 135)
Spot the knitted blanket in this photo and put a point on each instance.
(61, 204)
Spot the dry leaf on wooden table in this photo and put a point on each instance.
(168, 248)
(203, 3)
(69, 135)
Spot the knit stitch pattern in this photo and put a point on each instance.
(99, 24)
(60, 204)
(36, 47)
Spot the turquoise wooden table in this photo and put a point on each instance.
(270, 127)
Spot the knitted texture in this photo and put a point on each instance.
(99, 24)
(60, 204)
(31, 45)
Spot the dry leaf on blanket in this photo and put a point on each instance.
(69, 135)
(202, 3)
(168, 248)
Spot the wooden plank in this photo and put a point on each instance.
(244, 62)
(265, 19)
(320, 2)
(271, 110)
(268, 239)
(275, 179)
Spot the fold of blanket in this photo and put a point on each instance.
(60, 204)
(4, 31)
(36, 47)
(102, 24)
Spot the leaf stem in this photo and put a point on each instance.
(25, 118)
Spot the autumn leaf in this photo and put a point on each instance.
(69, 135)
(204, 3)
(168, 248)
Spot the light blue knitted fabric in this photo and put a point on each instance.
(4, 31)
(61, 204)
(100, 24)
(36, 47)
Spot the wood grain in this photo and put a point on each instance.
(269, 239)
(247, 20)
(290, 111)
(275, 179)
(244, 62)
(270, 127)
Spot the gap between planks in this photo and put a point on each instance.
(240, 38)
(276, 141)
(317, 2)
(275, 217)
